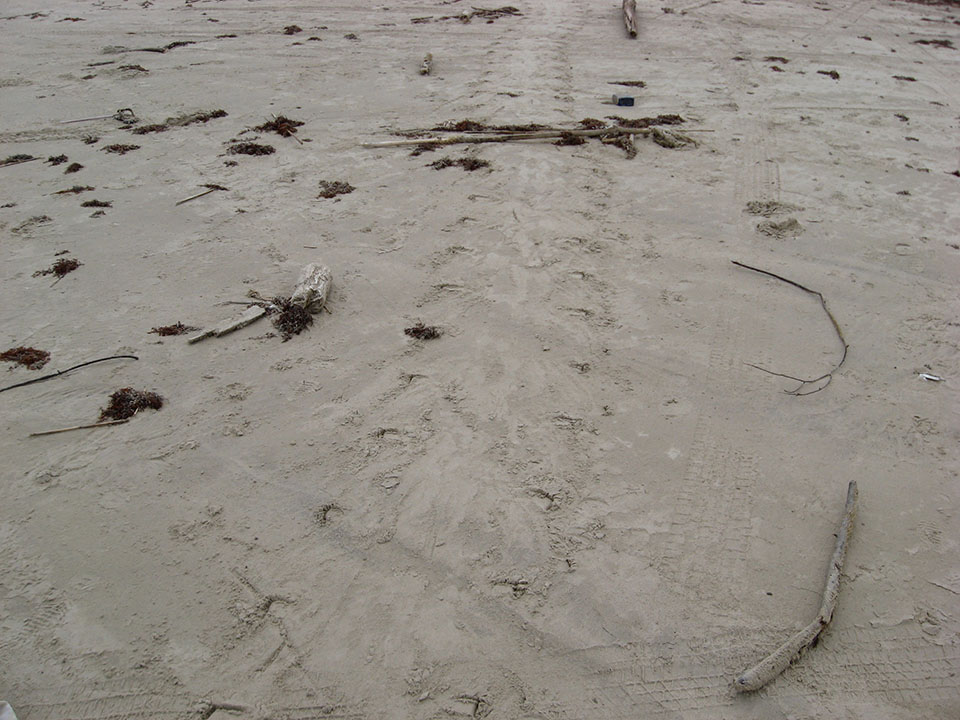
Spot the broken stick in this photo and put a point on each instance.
(80, 427)
(249, 315)
(781, 658)
(630, 16)
(427, 65)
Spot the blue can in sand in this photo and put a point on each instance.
(623, 100)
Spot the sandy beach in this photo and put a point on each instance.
(591, 496)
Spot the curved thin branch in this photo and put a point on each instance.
(804, 382)
(64, 372)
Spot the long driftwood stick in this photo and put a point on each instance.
(630, 16)
(828, 376)
(64, 372)
(80, 427)
(774, 664)
(507, 137)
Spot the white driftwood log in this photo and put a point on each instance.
(630, 16)
(313, 288)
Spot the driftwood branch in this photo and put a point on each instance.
(509, 137)
(311, 293)
(630, 16)
(64, 372)
(778, 661)
(805, 383)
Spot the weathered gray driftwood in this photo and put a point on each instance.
(508, 137)
(778, 661)
(310, 293)
(630, 16)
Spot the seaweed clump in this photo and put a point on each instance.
(288, 317)
(60, 268)
(177, 328)
(568, 138)
(592, 124)
(281, 125)
(249, 148)
(646, 122)
(180, 121)
(14, 159)
(127, 402)
(119, 148)
(423, 332)
(32, 358)
(468, 163)
(330, 189)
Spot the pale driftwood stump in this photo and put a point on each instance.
(313, 288)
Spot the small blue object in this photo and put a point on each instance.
(623, 100)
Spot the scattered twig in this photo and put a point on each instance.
(80, 427)
(944, 587)
(124, 115)
(64, 372)
(804, 383)
(778, 661)
(211, 187)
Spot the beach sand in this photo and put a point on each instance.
(580, 501)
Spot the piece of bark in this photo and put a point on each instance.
(630, 16)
